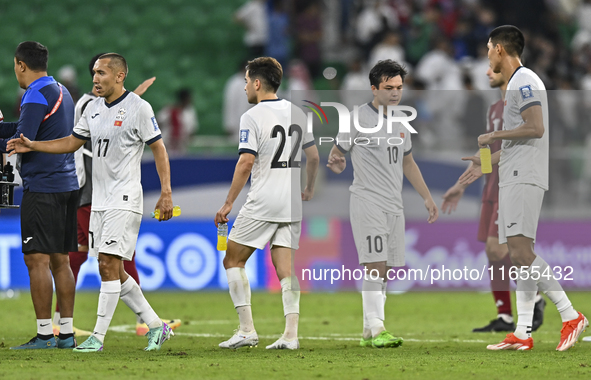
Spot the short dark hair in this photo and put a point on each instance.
(117, 62)
(92, 62)
(384, 70)
(33, 54)
(510, 38)
(267, 70)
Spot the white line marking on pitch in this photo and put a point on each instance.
(337, 337)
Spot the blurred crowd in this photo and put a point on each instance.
(443, 44)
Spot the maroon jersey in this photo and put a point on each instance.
(494, 122)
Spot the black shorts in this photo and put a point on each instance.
(48, 222)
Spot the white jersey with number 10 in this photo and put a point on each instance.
(274, 131)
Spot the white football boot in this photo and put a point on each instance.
(284, 344)
(240, 339)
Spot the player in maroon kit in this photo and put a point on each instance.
(488, 231)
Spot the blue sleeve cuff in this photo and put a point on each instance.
(244, 150)
(528, 105)
(341, 149)
(307, 145)
(80, 137)
(152, 141)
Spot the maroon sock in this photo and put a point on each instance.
(76, 261)
(131, 269)
(500, 285)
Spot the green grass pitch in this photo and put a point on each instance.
(436, 328)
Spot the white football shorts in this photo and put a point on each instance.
(113, 232)
(519, 210)
(257, 233)
(378, 235)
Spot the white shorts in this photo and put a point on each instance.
(379, 236)
(257, 233)
(519, 210)
(113, 232)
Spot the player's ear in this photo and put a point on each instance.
(499, 48)
(22, 66)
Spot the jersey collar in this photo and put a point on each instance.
(271, 100)
(118, 100)
(41, 82)
(512, 75)
(370, 104)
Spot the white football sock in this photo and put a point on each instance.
(44, 327)
(132, 296)
(525, 311)
(550, 287)
(240, 294)
(108, 298)
(66, 325)
(373, 304)
(56, 318)
(366, 329)
(290, 294)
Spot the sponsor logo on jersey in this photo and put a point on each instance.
(526, 92)
(118, 123)
(244, 135)
(95, 115)
(27, 239)
(155, 123)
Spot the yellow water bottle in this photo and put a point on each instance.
(222, 236)
(176, 211)
(485, 160)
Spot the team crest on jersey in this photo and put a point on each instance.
(244, 135)
(155, 123)
(120, 117)
(526, 92)
(402, 134)
(120, 114)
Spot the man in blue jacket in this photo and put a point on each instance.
(50, 199)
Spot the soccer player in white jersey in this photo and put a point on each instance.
(271, 144)
(523, 179)
(379, 162)
(118, 124)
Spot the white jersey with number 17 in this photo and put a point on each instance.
(274, 131)
(118, 132)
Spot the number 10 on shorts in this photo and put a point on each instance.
(376, 244)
